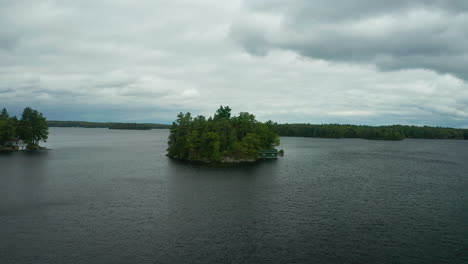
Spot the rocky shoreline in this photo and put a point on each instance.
(9, 149)
(225, 160)
(233, 160)
(16, 148)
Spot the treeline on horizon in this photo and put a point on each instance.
(110, 125)
(393, 132)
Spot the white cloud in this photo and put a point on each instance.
(190, 93)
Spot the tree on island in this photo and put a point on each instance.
(31, 129)
(8, 128)
(220, 138)
(4, 115)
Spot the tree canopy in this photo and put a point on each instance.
(221, 137)
(4, 115)
(31, 128)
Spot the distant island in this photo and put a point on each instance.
(221, 138)
(110, 125)
(25, 133)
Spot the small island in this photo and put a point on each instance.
(222, 138)
(25, 133)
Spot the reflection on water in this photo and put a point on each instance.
(112, 196)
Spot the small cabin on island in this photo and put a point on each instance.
(268, 154)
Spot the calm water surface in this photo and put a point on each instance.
(110, 196)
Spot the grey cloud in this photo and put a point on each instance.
(346, 9)
(389, 34)
(314, 61)
(7, 42)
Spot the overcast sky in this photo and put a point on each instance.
(360, 62)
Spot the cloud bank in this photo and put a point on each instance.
(361, 62)
(392, 35)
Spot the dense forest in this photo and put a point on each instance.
(110, 125)
(29, 130)
(395, 132)
(222, 137)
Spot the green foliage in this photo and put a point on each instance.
(8, 130)
(220, 137)
(31, 129)
(223, 113)
(395, 132)
(4, 115)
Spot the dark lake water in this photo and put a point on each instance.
(112, 196)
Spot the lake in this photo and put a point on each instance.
(112, 196)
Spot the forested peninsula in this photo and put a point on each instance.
(24, 133)
(395, 132)
(221, 138)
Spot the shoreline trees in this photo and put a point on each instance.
(30, 129)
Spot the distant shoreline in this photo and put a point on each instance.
(110, 125)
(393, 132)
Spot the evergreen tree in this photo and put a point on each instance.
(8, 131)
(4, 115)
(223, 113)
(8, 128)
